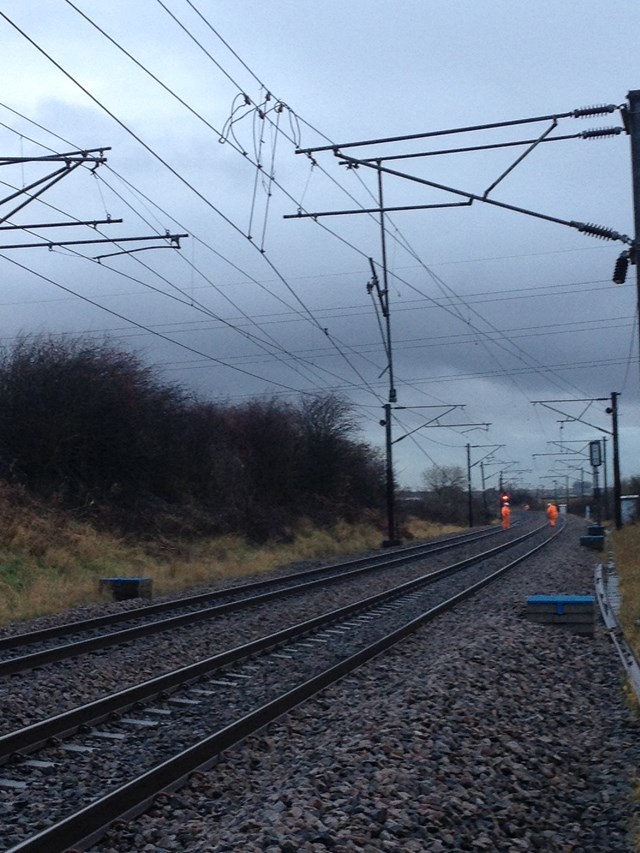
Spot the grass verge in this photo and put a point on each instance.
(50, 562)
(626, 549)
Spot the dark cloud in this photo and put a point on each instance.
(489, 307)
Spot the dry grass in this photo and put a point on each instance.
(626, 547)
(418, 528)
(49, 562)
(626, 550)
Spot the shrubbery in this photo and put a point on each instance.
(96, 431)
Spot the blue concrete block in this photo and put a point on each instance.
(561, 602)
(596, 543)
(124, 588)
(575, 613)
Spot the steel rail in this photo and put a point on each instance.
(87, 825)
(17, 640)
(32, 737)
(12, 666)
(622, 646)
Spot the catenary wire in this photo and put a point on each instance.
(192, 188)
(190, 302)
(255, 76)
(190, 4)
(313, 367)
(142, 326)
(524, 355)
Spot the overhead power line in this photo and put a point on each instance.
(199, 46)
(196, 191)
(189, 185)
(265, 89)
(146, 328)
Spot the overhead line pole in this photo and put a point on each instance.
(613, 432)
(383, 298)
(385, 282)
(351, 162)
(469, 492)
(617, 504)
(631, 118)
(493, 447)
(392, 538)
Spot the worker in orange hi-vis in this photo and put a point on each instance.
(552, 514)
(505, 512)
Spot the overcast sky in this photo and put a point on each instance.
(204, 104)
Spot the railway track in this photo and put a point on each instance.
(168, 727)
(19, 653)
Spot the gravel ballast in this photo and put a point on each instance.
(482, 732)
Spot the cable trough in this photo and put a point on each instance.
(196, 713)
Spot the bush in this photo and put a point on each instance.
(97, 432)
